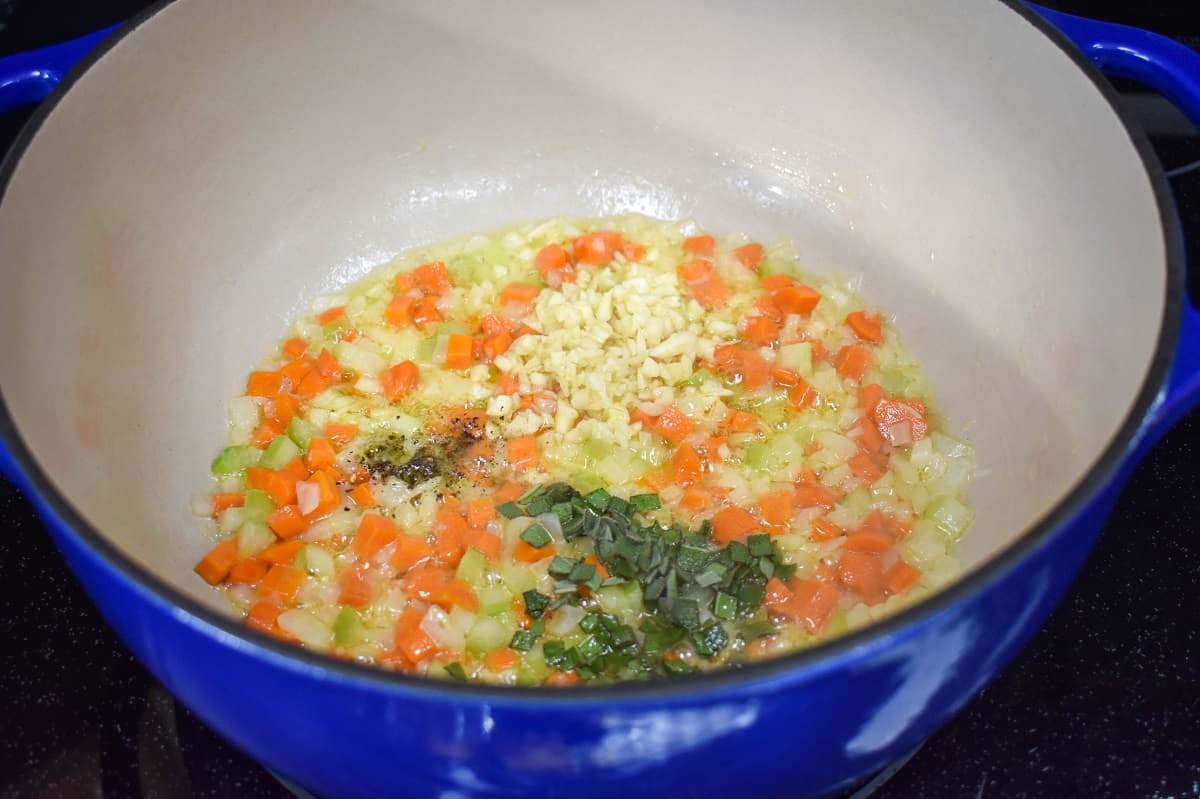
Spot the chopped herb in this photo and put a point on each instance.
(523, 640)
(509, 510)
(755, 630)
(645, 502)
(759, 544)
(725, 606)
(598, 500)
(561, 566)
(710, 639)
(535, 603)
(456, 671)
(536, 536)
(563, 511)
(766, 567)
(582, 572)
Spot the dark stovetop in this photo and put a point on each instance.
(1104, 702)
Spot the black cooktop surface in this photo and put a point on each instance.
(1104, 702)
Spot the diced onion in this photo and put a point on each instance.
(437, 626)
(308, 496)
(202, 505)
(565, 619)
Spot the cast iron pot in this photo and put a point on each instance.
(211, 166)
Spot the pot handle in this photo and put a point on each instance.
(1172, 70)
(26, 78)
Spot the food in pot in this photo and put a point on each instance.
(583, 450)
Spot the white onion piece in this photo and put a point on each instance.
(308, 496)
(202, 505)
(900, 433)
(565, 619)
(437, 626)
(440, 347)
(552, 524)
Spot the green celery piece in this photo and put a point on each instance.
(280, 452)
(234, 460)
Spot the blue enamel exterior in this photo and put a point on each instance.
(28, 78)
(809, 729)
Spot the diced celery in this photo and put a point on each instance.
(317, 561)
(258, 506)
(347, 628)
(471, 568)
(234, 460)
(452, 329)
(280, 452)
(797, 357)
(494, 600)
(305, 625)
(951, 516)
(253, 538)
(517, 578)
(595, 449)
(425, 348)
(697, 378)
(620, 599)
(488, 633)
(533, 669)
(300, 432)
(755, 455)
(587, 482)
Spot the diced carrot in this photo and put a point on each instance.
(459, 354)
(480, 512)
(866, 467)
(411, 551)
(313, 384)
(374, 533)
(449, 527)
(426, 580)
(214, 566)
(280, 486)
(487, 543)
(750, 255)
(296, 470)
(404, 282)
(530, 554)
(340, 434)
(686, 465)
(732, 523)
(294, 348)
(818, 350)
(760, 331)
(432, 278)
(775, 509)
(889, 413)
(522, 452)
(776, 594)
(225, 501)
(821, 529)
(496, 345)
(900, 577)
(281, 585)
(331, 315)
(597, 248)
(248, 570)
(868, 436)
(426, 312)
(328, 497)
(657, 481)
(673, 425)
(348, 334)
(282, 552)
(802, 395)
(520, 293)
(456, 593)
(868, 541)
(852, 361)
(796, 299)
(741, 422)
(694, 499)
(562, 679)
(811, 603)
(551, 258)
(411, 641)
(363, 496)
(399, 312)
(507, 383)
(264, 384)
(492, 324)
(711, 294)
(354, 588)
(869, 396)
(862, 572)
(785, 377)
(399, 380)
(755, 371)
(286, 521)
(812, 495)
(509, 492)
(328, 366)
(297, 370)
(501, 659)
(262, 616)
(633, 252)
(525, 330)
(701, 245)
(773, 283)
(282, 409)
(321, 454)
(766, 307)
(638, 416)
(866, 325)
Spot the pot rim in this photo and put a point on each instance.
(794, 666)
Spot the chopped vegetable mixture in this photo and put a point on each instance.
(583, 450)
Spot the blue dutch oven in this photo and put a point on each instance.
(206, 167)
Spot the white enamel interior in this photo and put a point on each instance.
(226, 162)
